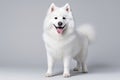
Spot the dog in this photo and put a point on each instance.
(65, 42)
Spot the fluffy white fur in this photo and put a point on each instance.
(69, 44)
(87, 30)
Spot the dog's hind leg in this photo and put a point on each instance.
(77, 68)
(81, 59)
(84, 53)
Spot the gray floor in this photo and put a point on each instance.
(102, 72)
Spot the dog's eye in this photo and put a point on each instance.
(55, 17)
(64, 18)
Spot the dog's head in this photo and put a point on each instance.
(58, 20)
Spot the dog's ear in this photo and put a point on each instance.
(52, 8)
(67, 7)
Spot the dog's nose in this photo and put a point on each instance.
(60, 23)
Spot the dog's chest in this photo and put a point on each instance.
(60, 47)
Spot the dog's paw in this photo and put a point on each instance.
(76, 69)
(66, 75)
(84, 70)
(48, 75)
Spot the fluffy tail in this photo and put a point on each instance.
(88, 31)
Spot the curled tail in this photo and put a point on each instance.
(88, 31)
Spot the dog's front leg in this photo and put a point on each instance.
(66, 63)
(50, 61)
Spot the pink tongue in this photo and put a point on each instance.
(60, 31)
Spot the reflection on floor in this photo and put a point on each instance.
(98, 72)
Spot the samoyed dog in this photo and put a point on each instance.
(65, 42)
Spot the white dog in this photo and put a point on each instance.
(63, 41)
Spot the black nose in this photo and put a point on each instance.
(60, 23)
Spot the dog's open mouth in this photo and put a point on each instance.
(59, 29)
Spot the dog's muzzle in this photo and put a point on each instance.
(60, 29)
